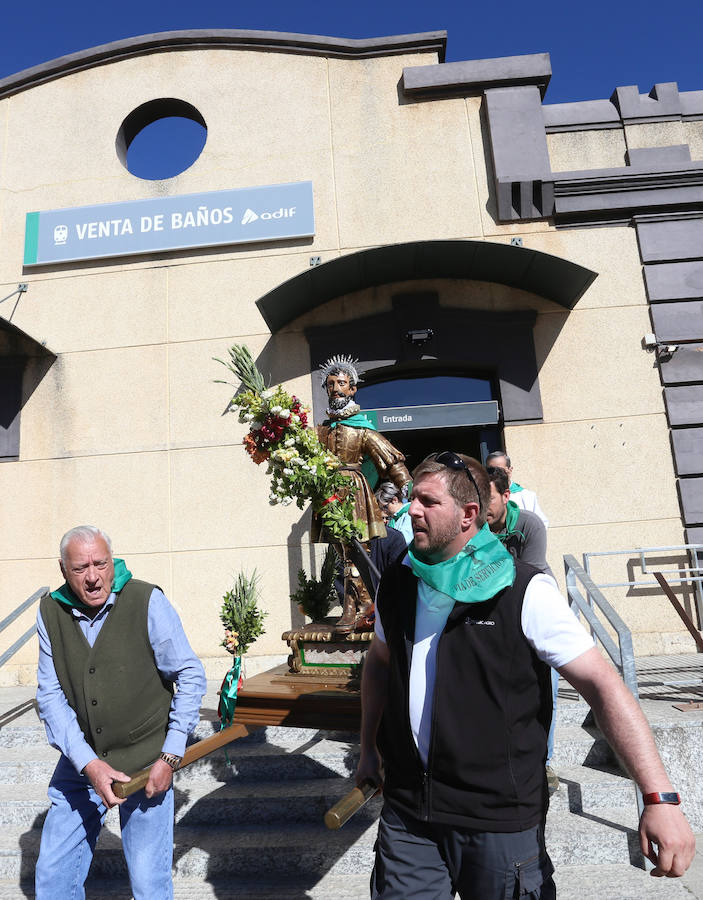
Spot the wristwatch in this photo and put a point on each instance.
(175, 761)
(662, 797)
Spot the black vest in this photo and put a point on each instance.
(491, 714)
(121, 701)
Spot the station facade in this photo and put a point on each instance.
(510, 273)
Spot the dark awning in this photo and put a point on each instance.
(551, 277)
(17, 343)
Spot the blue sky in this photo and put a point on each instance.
(594, 47)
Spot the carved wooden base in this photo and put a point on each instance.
(320, 649)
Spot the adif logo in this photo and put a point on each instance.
(60, 234)
(282, 213)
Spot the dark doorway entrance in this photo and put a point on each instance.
(409, 389)
(416, 445)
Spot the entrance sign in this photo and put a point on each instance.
(244, 215)
(440, 415)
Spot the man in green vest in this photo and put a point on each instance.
(111, 650)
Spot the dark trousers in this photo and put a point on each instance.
(423, 861)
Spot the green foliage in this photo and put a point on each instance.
(318, 597)
(243, 366)
(241, 616)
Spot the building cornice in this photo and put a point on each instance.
(231, 39)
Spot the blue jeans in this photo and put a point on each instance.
(71, 830)
(550, 739)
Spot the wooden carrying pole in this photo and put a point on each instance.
(123, 789)
(350, 803)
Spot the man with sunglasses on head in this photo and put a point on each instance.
(456, 706)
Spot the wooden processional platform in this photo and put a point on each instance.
(278, 697)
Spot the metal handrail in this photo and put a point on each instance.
(8, 620)
(622, 654)
(692, 574)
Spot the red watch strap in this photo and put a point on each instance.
(662, 797)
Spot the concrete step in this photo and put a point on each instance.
(328, 887)
(250, 760)
(213, 803)
(290, 849)
(576, 745)
(591, 789)
(607, 882)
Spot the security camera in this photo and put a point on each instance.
(649, 341)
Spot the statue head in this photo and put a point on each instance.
(340, 377)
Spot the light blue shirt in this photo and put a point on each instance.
(174, 659)
(404, 524)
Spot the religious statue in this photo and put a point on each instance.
(364, 454)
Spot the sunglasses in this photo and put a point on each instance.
(452, 461)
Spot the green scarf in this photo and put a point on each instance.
(403, 509)
(515, 488)
(478, 572)
(65, 595)
(358, 420)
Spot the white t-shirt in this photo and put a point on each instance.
(551, 629)
(527, 499)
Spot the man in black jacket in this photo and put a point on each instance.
(456, 707)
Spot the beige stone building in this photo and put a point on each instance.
(471, 243)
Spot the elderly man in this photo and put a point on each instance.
(521, 496)
(111, 651)
(456, 707)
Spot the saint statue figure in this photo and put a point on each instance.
(365, 455)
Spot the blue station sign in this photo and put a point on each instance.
(244, 215)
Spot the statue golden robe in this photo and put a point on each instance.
(351, 445)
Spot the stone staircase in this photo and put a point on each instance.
(254, 829)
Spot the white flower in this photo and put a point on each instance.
(248, 417)
(288, 472)
(286, 501)
(284, 413)
(256, 426)
(313, 470)
(267, 394)
(295, 419)
(275, 410)
(289, 443)
(307, 468)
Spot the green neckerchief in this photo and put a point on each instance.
(65, 595)
(478, 572)
(403, 509)
(515, 488)
(358, 420)
(512, 513)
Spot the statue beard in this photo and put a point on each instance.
(337, 404)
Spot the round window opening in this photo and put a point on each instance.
(161, 138)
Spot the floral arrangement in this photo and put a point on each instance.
(242, 619)
(301, 469)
